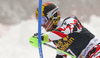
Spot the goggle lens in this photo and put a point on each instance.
(43, 20)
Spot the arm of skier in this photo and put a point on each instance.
(69, 26)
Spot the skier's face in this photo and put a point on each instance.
(48, 26)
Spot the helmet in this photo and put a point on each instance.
(50, 11)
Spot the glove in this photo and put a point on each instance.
(34, 39)
(44, 38)
(36, 35)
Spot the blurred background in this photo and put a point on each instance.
(18, 24)
(14, 11)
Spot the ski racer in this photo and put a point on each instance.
(67, 34)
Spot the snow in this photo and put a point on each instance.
(14, 42)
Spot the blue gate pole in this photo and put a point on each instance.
(39, 29)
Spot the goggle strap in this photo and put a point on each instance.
(52, 12)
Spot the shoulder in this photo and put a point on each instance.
(71, 17)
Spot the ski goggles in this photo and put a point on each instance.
(43, 20)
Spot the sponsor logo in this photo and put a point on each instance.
(63, 45)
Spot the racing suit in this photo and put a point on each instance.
(72, 37)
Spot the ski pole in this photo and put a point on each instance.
(34, 42)
(59, 50)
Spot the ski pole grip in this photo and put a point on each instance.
(34, 41)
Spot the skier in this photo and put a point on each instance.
(67, 34)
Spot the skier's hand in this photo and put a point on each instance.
(34, 40)
(36, 35)
(44, 38)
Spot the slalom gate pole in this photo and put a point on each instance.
(39, 29)
(59, 50)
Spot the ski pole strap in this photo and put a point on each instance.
(59, 50)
